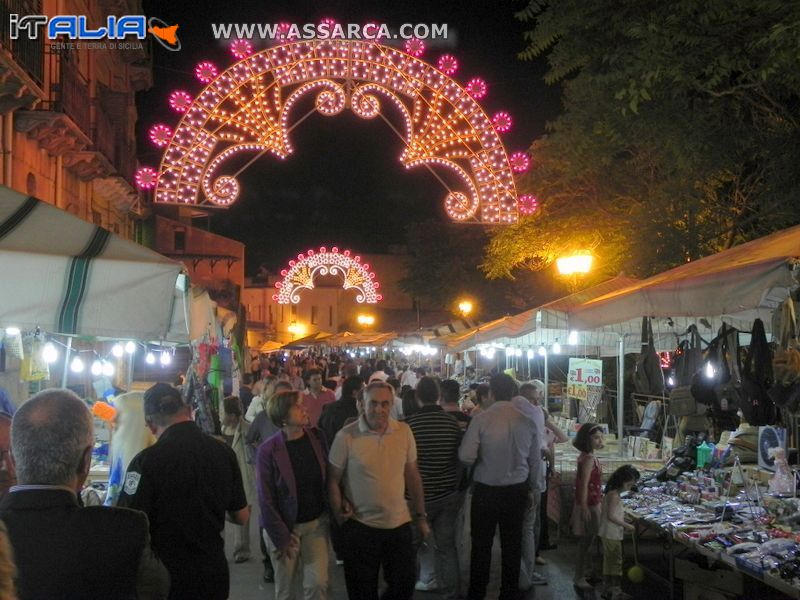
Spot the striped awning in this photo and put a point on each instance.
(67, 276)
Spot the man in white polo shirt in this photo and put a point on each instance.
(372, 463)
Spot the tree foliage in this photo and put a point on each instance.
(680, 133)
(443, 261)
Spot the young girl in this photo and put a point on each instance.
(588, 496)
(612, 524)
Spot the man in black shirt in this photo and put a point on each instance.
(186, 483)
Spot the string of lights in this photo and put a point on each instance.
(243, 108)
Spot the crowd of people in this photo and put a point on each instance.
(385, 467)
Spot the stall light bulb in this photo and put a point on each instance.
(76, 366)
(97, 368)
(130, 347)
(117, 350)
(49, 353)
(530, 353)
(573, 338)
(490, 353)
(518, 352)
(709, 370)
(542, 351)
(556, 348)
(12, 331)
(670, 381)
(150, 358)
(108, 369)
(165, 358)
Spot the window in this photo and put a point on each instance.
(179, 240)
(282, 315)
(269, 309)
(97, 218)
(294, 310)
(30, 184)
(314, 315)
(330, 316)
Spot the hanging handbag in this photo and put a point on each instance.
(728, 390)
(648, 378)
(786, 362)
(682, 402)
(785, 391)
(757, 407)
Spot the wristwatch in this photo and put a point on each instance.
(418, 516)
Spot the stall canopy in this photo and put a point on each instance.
(541, 325)
(737, 285)
(71, 277)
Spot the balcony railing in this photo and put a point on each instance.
(73, 95)
(28, 53)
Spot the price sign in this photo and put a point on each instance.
(584, 375)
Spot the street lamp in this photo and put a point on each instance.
(296, 329)
(465, 308)
(577, 264)
(574, 266)
(365, 320)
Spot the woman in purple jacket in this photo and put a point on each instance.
(290, 473)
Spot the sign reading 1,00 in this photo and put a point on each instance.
(594, 379)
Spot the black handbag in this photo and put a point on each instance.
(728, 395)
(757, 407)
(648, 378)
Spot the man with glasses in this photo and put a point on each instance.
(372, 463)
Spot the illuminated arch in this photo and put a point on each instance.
(302, 272)
(247, 108)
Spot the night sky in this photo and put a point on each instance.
(344, 184)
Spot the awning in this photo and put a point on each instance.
(348, 338)
(737, 285)
(309, 340)
(70, 277)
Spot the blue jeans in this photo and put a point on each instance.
(439, 560)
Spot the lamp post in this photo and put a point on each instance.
(365, 320)
(296, 329)
(573, 266)
(465, 307)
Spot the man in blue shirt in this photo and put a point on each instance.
(504, 448)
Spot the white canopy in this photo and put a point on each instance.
(544, 324)
(67, 276)
(736, 286)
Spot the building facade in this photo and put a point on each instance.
(68, 115)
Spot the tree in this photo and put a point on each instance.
(443, 266)
(679, 135)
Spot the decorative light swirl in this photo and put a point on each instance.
(301, 274)
(364, 104)
(251, 102)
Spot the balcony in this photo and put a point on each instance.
(117, 152)
(21, 61)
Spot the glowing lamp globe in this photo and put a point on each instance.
(241, 48)
(476, 88)
(576, 264)
(415, 47)
(447, 64)
(206, 71)
(636, 574)
(180, 101)
(502, 122)
(519, 161)
(146, 178)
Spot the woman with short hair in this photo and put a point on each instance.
(290, 470)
